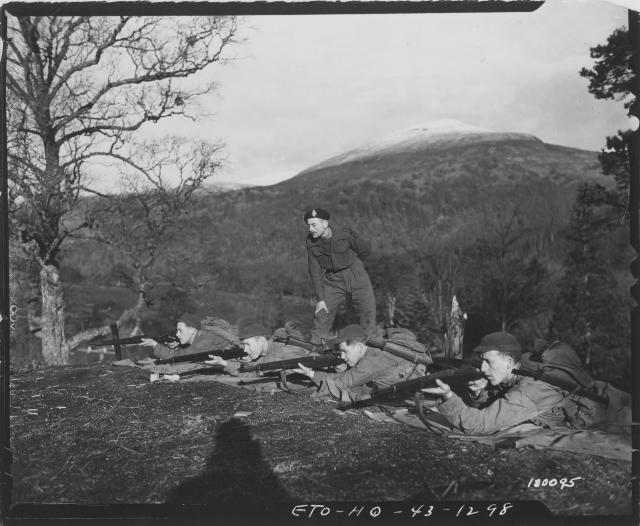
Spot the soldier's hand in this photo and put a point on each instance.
(341, 367)
(307, 371)
(443, 390)
(475, 386)
(321, 305)
(148, 342)
(216, 360)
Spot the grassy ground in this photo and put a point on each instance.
(103, 434)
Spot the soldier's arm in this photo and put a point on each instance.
(315, 273)
(361, 247)
(511, 410)
(361, 374)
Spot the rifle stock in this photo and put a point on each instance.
(227, 354)
(314, 362)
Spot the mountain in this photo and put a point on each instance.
(451, 150)
(443, 184)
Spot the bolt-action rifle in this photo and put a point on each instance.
(319, 361)
(460, 375)
(135, 340)
(227, 354)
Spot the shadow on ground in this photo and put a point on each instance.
(236, 472)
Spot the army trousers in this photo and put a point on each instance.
(353, 281)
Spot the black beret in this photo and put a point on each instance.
(498, 341)
(319, 213)
(190, 319)
(350, 332)
(250, 328)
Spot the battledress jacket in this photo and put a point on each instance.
(375, 366)
(522, 399)
(333, 255)
(202, 342)
(275, 351)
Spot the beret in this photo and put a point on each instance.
(249, 329)
(350, 332)
(190, 319)
(319, 213)
(498, 341)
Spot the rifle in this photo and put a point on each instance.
(462, 375)
(135, 340)
(227, 354)
(314, 362)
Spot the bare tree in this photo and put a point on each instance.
(78, 88)
(157, 192)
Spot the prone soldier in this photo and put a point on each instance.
(514, 400)
(365, 365)
(191, 339)
(335, 266)
(259, 348)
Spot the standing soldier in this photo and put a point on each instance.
(335, 265)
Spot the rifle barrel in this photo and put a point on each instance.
(315, 362)
(465, 374)
(235, 352)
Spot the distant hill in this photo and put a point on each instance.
(431, 186)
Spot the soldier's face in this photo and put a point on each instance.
(317, 226)
(496, 366)
(254, 346)
(352, 353)
(184, 333)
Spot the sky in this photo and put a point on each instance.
(301, 89)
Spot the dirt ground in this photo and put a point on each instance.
(101, 434)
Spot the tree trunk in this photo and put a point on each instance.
(456, 330)
(55, 350)
(390, 304)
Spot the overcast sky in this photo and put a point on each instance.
(304, 88)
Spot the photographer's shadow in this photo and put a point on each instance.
(235, 472)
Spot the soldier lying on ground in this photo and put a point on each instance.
(191, 339)
(514, 400)
(259, 349)
(365, 364)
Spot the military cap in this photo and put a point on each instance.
(319, 213)
(250, 328)
(350, 332)
(190, 319)
(498, 341)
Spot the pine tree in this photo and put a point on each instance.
(592, 309)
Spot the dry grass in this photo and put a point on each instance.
(100, 434)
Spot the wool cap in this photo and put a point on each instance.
(250, 328)
(190, 319)
(319, 213)
(350, 332)
(498, 341)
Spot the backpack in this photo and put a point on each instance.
(403, 343)
(221, 328)
(594, 402)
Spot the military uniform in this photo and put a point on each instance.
(276, 351)
(522, 399)
(336, 269)
(375, 366)
(202, 342)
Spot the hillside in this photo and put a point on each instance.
(417, 193)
